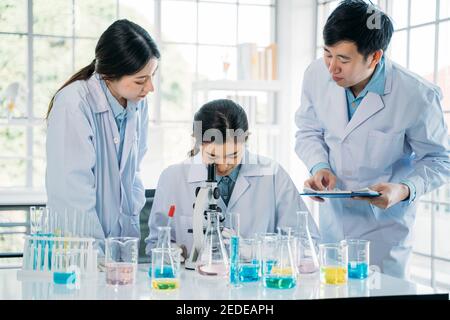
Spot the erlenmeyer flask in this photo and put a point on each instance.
(213, 258)
(307, 259)
(280, 271)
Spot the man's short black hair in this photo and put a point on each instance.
(359, 22)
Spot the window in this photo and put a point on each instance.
(49, 40)
(420, 43)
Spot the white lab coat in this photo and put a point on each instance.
(83, 172)
(264, 196)
(399, 135)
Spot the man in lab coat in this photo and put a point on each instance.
(365, 121)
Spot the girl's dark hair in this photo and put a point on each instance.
(123, 49)
(224, 116)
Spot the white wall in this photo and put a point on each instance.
(295, 37)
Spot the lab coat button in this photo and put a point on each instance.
(116, 140)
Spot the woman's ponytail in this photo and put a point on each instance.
(83, 74)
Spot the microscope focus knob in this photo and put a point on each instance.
(216, 193)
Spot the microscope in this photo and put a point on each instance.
(206, 200)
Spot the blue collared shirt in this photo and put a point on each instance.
(120, 115)
(375, 85)
(226, 184)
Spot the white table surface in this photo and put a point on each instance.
(195, 286)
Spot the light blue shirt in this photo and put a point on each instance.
(120, 115)
(226, 184)
(375, 85)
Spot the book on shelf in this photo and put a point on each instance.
(257, 63)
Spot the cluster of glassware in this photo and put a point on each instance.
(61, 243)
(343, 260)
(276, 259)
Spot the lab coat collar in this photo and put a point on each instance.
(370, 105)
(98, 101)
(250, 166)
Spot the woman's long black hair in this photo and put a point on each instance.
(222, 115)
(123, 49)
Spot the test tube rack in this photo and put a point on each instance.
(42, 254)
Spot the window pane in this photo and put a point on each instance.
(442, 226)
(13, 16)
(13, 68)
(444, 9)
(211, 62)
(52, 17)
(261, 2)
(84, 52)
(422, 11)
(420, 269)
(178, 21)
(177, 75)
(324, 10)
(443, 77)
(217, 23)
(12, 242)
(170, 144)
(12, 173)
(259, 30)
(13, 141)
(93, 17)
(398, 47)
(39, 165)
(399, 13)
(442, 275)
(141, 12)
(39, 137)
(52, 67)
(422, 51)
(422, 229)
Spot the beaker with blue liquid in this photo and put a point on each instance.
(249, 260)
(358, 258)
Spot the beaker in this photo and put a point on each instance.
(213, 257)
(358, 258)
(166, 268)
(164, 242)
(280, 271)
(307, 260)
(65, 269)
(249, 264)
(333, 259)
(121, 258)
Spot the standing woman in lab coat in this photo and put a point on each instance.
(256, 187)
(97, 133)
(365, 121)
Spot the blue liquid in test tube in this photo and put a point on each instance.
(234, 260)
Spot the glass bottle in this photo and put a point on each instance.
(280, 271)
(213, 258)
(307, 260)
